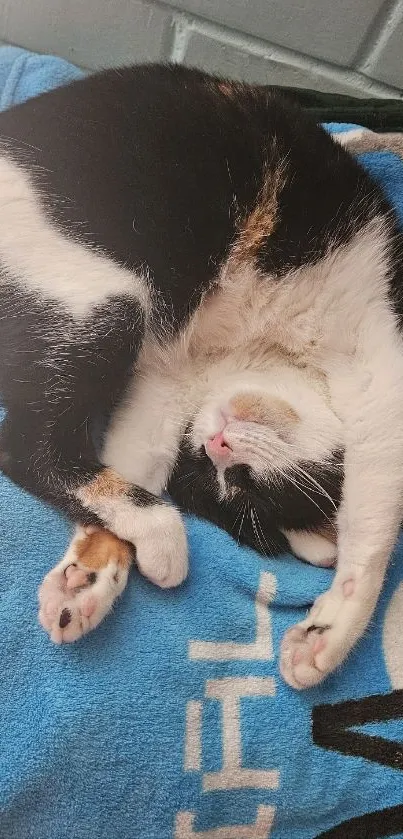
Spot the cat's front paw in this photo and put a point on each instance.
(315, 647)
(161, 546)
(77, 594)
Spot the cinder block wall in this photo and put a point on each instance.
(345, 46)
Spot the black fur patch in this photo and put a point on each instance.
(256, 512)
(142, 498)
(56, 376)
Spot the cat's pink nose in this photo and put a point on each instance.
(217, 448)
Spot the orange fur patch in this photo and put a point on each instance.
(107, 483)
(231, 89)
(261, 222)
(100, 547)
(237, 92)
(264, 410)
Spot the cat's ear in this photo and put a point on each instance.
(267, 410)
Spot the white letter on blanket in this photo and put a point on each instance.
(194, 710)
(260, 829)
(233, 776)
(259, 650)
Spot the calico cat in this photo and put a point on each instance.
(200, 291)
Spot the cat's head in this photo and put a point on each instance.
(265, 445)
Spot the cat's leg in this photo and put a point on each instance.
(72, 325)
(369, 395)
(148, 529)
(46, 447)
(145, 432)
(82, 588)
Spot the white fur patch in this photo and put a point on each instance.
(42, 259)
(361, 351)
(312, 547)
(157, 532)
(146, 429)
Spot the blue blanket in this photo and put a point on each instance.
(171, 721)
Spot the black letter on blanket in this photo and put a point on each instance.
(331, 728)
(382, 823)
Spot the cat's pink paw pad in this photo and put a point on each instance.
(348, 588)
(68, 613)
(73, 598)
(300, 649)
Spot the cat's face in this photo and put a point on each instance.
(269, 421)
(271, 440)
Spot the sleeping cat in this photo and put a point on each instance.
(200, 292)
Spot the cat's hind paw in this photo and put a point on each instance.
(77, 594)
(300, 664)
(315, 647)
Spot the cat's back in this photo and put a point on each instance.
(160, 165)
(145, 162)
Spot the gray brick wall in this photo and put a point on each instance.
(352, 46)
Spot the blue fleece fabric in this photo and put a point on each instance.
(25, 74)
(94, 739)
